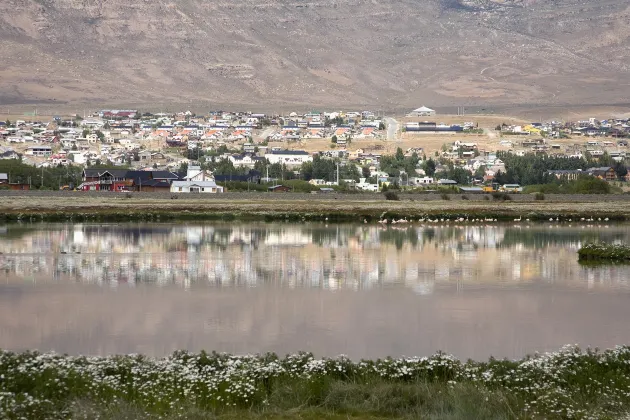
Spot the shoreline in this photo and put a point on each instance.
(118, 207)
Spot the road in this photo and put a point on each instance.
(392, 128)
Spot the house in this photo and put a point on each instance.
(423, 111)
(279, 188)
(4, 179)
(288, 157)
(39, 151)
(144, 156)
(125, 180)
(420, 181)
(606, 173)
(196, 181)
(196, 187)
(6, 153)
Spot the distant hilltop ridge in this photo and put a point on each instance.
(391, 53)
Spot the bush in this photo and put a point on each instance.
(485, 197)
(464, 197)
(391, 195)
(539, 196)
(445, 196)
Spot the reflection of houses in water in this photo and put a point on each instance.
(308, 255)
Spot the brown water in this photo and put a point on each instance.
(360, 290)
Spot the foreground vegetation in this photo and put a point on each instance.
(567, 384)
(604, 252)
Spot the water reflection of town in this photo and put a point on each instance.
(308, 256)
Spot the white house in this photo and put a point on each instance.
(289, 157)
(196, 181)
(421, 180)
(196, 187)
(365, 186)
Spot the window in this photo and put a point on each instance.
(202, 189)
(180, 189)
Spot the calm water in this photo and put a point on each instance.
(360, 290)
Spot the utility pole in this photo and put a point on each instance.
(42, 184)
(337, 173)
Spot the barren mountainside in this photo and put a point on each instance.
(388, 53)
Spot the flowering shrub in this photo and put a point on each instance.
(570, 383)
(600, 251)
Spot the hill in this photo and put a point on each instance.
(390, 54)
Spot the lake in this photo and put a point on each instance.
(366, 291)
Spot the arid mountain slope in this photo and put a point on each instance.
(388, 53)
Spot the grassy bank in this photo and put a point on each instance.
(119, 208)
(567, 384)
(595, 252)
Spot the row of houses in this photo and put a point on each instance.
(195, 180)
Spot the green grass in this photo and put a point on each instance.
(570, 383)
(604, 252)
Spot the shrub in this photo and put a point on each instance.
(539, 196)
(445, 196)
(485, 197)
(391, 195)
(464, 197)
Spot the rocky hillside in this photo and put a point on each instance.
(281, 53)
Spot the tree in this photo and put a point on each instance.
(429, 167)
(400, 156)
(334, 139)
(8, 122)
(621, 170)
(306, 170)
(365, 172)
(381, 126)
(498, 128)
(100, 135)
(85, 132)
(480, 172)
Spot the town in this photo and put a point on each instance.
(318, 151)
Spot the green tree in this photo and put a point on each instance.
(306, 170)
(365, 172)
(334, 139)
(621, 170)
(400, 156)
(429, 167)
(100, 135)
(480, 172)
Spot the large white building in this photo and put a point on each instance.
(289, 157)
